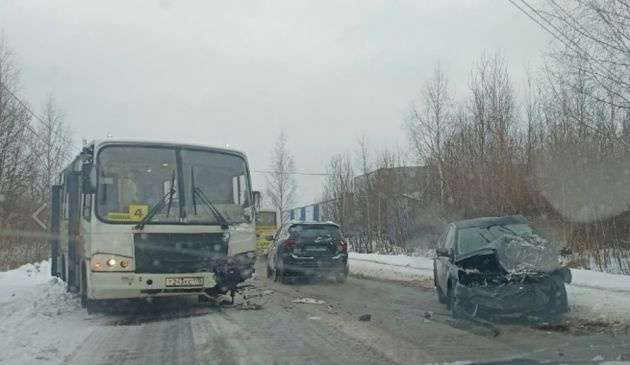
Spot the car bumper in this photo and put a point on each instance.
(511, 298)
(124, 285)
(309, 265)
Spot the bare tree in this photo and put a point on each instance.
(338, 188)
(281, 184)
(53, 146)
(430, 125)
(29, 158)
(592, 45)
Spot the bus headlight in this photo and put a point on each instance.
(104, 262)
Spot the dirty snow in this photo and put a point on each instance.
(41, 322)
(592, 295)
(308, 301)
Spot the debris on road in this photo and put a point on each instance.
(331, 309)
(247, 305)
(365, 317)
(308, 301)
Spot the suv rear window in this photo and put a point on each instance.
(314, 231)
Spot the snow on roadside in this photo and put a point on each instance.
(592, 295)
(391, 267)
(41, 321)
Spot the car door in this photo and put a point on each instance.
(436, 260)
(444, 263)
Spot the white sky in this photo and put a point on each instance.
(236, 73)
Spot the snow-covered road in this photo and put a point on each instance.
(300, 323)
(592, 295)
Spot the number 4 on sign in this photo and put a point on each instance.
(137, 212)
(35, 217)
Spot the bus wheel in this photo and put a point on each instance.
(63, 268)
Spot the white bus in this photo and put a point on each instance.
(139, 219)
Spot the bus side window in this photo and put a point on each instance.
(87, 207)
(64, 199)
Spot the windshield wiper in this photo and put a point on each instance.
(501, 227)
(159, 206)
(198, 193)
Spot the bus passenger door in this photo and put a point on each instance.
(74, 216)
(55, 225)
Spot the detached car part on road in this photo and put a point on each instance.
(499, 266)
(308, 249)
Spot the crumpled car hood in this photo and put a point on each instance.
(516, 254)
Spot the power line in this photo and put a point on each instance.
(575, 46)
(538, 22)
(39, 119)
(291, 173)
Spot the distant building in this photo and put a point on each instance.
(311, 212)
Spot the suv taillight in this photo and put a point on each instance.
(290, 243)
(341, 245)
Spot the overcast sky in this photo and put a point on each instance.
(235, 73)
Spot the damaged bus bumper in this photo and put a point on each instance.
(124, 285)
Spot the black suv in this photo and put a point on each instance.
(308, 249)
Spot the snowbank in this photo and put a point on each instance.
(391, 267)
(592, 294)
(41, 322)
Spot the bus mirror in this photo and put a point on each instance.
(257, 199)
(88, 176)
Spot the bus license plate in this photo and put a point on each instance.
(185, 281)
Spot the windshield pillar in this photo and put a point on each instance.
(181, 190)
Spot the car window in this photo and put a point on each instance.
(450, 237)
(442, 240)
(470, 239)
(315, 231)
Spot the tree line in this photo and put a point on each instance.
(33, 149)
(556, 152)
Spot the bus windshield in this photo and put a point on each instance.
(132, 180)
(266, 218)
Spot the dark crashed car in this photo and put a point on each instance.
(306, 250)
(499, 266)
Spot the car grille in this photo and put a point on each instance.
(178, 252)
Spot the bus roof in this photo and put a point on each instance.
(98, 143)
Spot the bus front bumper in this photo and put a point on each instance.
(125, 285)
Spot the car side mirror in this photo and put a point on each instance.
(269, 237)
(443, 252)
(566, 275)
(257, 198)
(566, 251)
(88, 178)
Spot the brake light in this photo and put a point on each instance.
(290, 243)
(341, 245)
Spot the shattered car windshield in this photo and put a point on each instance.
(470, 239)
(527, 253)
